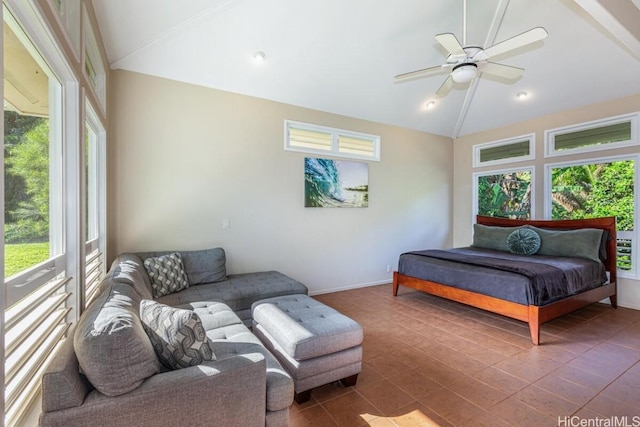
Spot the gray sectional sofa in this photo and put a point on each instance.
(107, 372)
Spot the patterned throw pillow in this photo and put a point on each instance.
(167, 274)
(177, 335)
(523, 241)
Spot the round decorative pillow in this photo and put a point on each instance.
(523, 241)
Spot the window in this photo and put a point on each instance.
(601, 187)
(505, 194)
(93, 65)
(36, 297)
(604, 134)
(68, 16)
(315, 139)
(505, 151)
(94, 203)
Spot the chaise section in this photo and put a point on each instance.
(239, 291)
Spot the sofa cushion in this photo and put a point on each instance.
(213, 314)
(229, 341)
(62, 386)
(110, 343)
(128, 268)
(201, 266)
(177, 335)
(205, 266)
(167, 274)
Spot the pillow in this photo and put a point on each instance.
(205, 266)
(177, 335)
(580, 243)
(167, 274)
(201, 266)
(523, 241)
(490, 237)
(113, 350)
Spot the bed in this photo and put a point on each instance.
(521, 286)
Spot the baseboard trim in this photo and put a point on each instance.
(349, 287)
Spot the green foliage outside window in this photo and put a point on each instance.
(505, 195)
(26, 191)
(597, 190)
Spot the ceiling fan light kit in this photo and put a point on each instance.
(464, 73)
(464, 63)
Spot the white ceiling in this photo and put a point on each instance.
(341, 56)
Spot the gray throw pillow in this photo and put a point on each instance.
(167, 274)
(490, 237)
(580, 243)
(177, 335)
(523, 241)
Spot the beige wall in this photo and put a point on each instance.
(182, 158)
(629, 290)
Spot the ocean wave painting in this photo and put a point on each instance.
(335, 184)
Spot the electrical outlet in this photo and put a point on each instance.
(226, 224)
(388, 269)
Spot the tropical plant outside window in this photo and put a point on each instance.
(595, 190)
(26, 156)
(505, 195)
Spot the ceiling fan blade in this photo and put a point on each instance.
(446, 87)
(503, 71)
(451, 44)
(419, 73)
(528, 37)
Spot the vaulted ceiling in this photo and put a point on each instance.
(341, 56)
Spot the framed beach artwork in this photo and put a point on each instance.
(335, 183)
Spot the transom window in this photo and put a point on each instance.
(504, 151)
(615, 132)
(309, 138)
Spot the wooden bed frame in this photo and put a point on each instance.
(534, 315)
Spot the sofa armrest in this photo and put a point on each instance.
(229, 392)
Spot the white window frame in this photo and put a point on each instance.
(92, 53)
(95, 244)
(335, 137)
(474, 186)
(549, 136)
(634, 273)
(44, 315)
(477, 149)
(68, 17)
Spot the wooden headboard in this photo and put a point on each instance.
(606, 223)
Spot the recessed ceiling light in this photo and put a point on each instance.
(259, 57)
(430, 105)
(522, 95)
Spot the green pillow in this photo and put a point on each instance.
(490, 237)
(581, 243)
(523, 241)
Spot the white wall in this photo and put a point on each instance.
(628, 290)
(183, 158)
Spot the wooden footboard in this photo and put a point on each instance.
(533, 315)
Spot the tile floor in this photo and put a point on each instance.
(432, 362)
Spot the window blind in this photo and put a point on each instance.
(595, 136)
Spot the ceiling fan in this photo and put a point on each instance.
(465, 62)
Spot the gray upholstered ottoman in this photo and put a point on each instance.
(314, 343)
